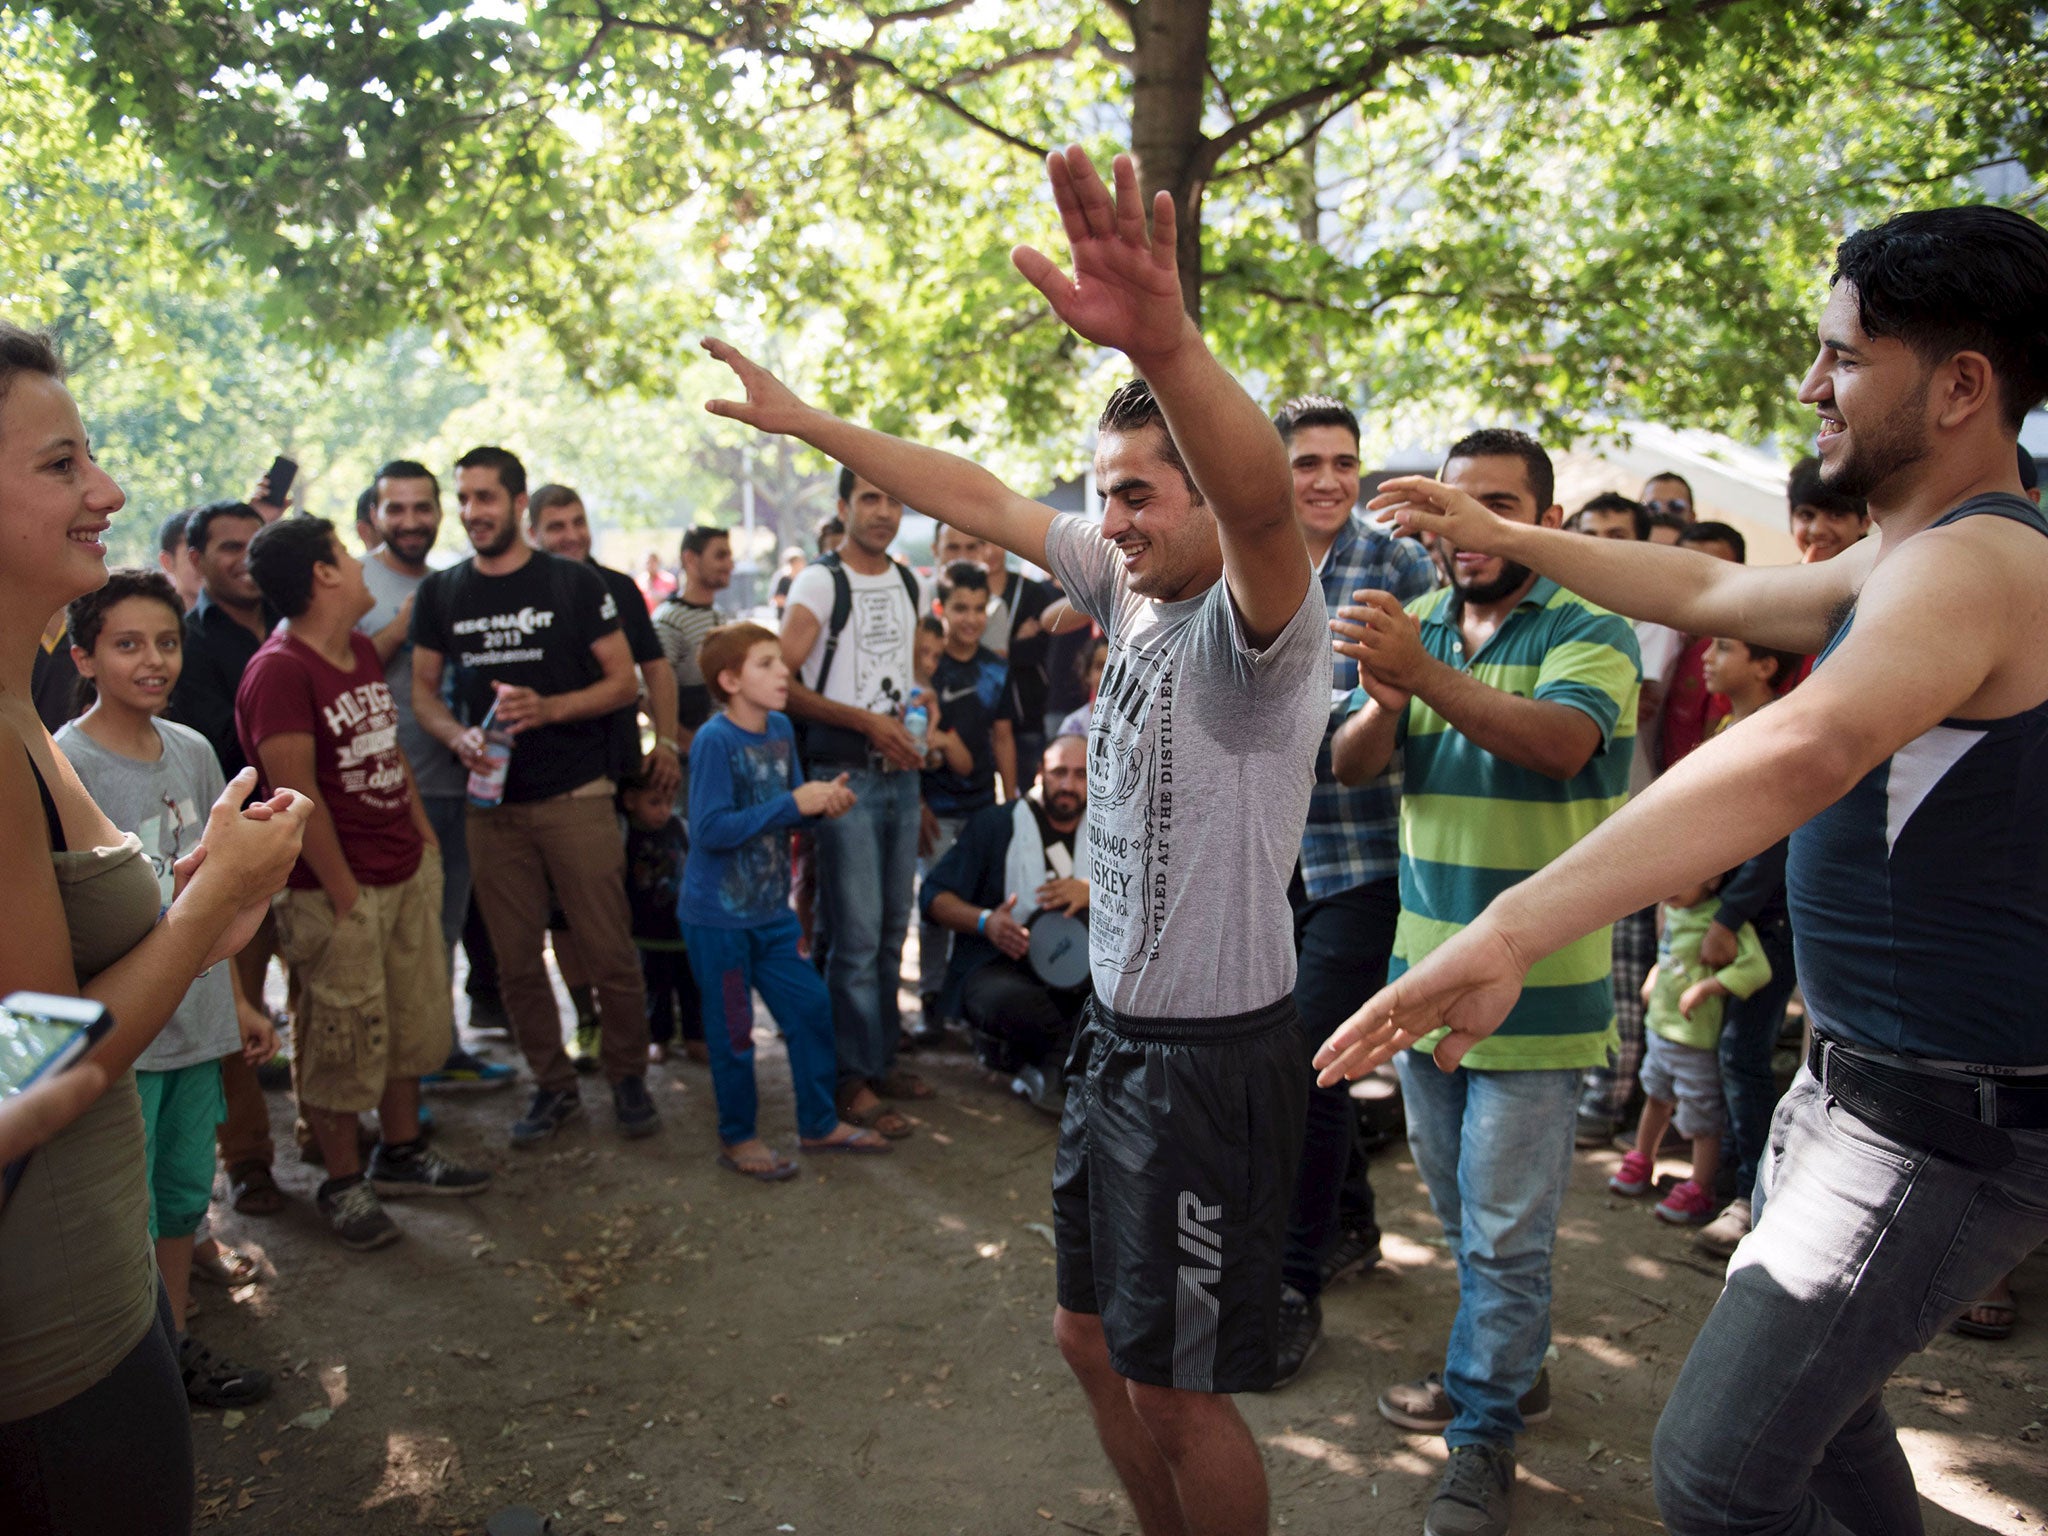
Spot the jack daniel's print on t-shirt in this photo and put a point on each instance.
(532, 628)
(1130, 777)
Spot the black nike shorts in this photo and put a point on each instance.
(1171, 1189)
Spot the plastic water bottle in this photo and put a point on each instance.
(918, 721)
(487, 784)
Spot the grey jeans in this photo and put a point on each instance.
(1864, 1249)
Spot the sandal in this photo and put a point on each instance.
(212, 1382)
(224, 1266)
(863, 1142)
(254, 1191)
(773, 1171)
(881, 1118)
(905, 1085)
(2007, 1311)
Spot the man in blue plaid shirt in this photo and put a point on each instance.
(1346, 893)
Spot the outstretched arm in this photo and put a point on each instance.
(1787, 608)
(1125, 293)
(1728, 801)
(956, 492)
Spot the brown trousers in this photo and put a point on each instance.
(572, 843)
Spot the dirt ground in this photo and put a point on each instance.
(633, 1340)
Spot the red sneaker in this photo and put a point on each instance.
(1687, 1206)
(1634, 1175)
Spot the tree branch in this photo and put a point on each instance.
(1365, 75)
(823, 53)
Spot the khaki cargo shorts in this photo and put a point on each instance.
(372, 989)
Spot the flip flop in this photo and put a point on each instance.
(226, 1267)
(867, 1144)
(2001, 1329)
(772, 1172)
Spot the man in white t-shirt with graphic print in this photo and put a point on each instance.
(848, 689)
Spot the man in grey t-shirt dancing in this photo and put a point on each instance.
(1185, 1108)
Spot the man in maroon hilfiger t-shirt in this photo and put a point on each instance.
(359, 919)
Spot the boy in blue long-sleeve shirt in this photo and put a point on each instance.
(747, 790)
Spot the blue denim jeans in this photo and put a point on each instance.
(1749, 1034)
(1495, 1149)
(730, 965)
(1864, 1250)
(867, 881)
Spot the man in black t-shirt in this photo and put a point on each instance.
(556, 519)
(538, 649)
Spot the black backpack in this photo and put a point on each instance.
(834, 741)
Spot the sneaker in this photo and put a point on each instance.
(1425, 1407)
(584, 1046)
(356, 1215)
(1686, 1206)
(633, 1109)
(1593, 1131)
(214, 1381)
(396, 1172)
(1474, 1496)
(1352, 1254)
(1720, 1235)
(1042, 1090)
(466, 1073)
(1301, 1331)
(550, 1110)
(1634, 1176)
(487, 1015)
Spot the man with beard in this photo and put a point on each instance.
(1010, 863)
(538, 653)
(1513, 702)
(405, 516)
(1907, 1167)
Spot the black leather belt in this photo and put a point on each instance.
(1962, 1115)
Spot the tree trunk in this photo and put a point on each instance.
(1171, 41)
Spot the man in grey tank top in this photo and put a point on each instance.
(1187, 1095)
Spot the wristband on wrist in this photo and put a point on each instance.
(981, 923)
(669, 742)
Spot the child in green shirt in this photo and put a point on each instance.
(1681, 1073)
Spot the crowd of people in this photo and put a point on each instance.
(1261, 791)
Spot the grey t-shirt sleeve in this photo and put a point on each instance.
(1297, 653)
(1086, 565)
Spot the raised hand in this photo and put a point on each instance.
(1416, 504)
(770, 406)
(1125, 291)
(1467, 985)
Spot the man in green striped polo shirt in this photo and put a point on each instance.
(1513, 703)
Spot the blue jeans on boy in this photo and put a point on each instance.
(1864, 1250)
(730, 965)
(1749, 1035)
(1495, 1149)
(867, 883)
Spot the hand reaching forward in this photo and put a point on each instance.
(770, 406)
(1417, 504)
(1125, 291)
(1468, 984)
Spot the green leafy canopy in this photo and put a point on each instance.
(1556, 209)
